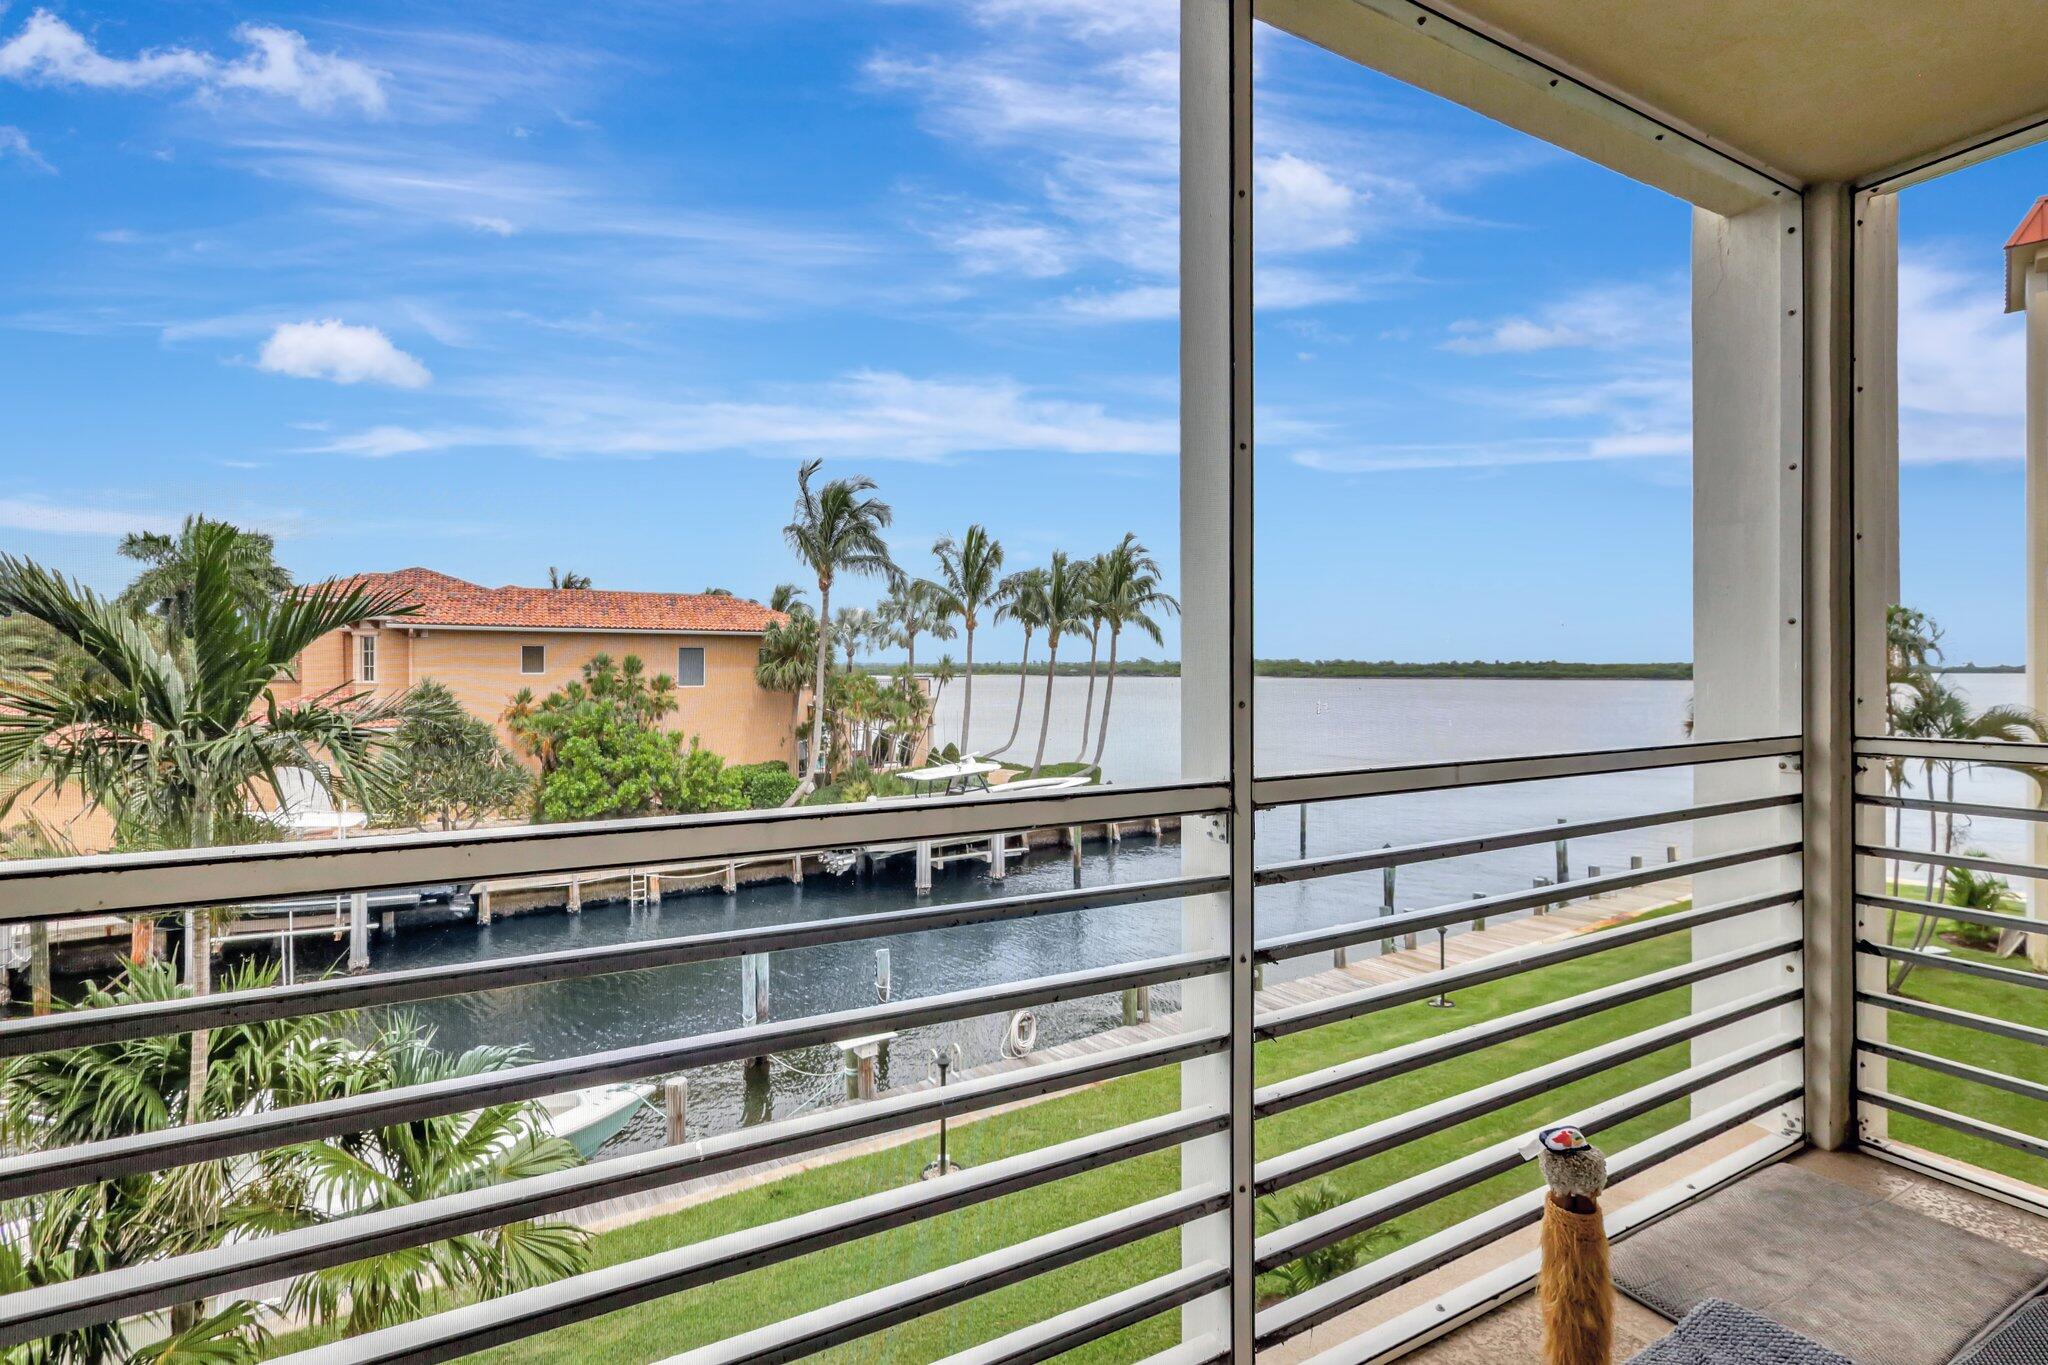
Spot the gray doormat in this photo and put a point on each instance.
(2021, 1339)
(1880, 1284)
(1718, 1333)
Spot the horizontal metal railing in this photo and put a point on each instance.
(1360, 1144)
(126, 883)
(907, 1300)
(1383, 1205)
(1979, 809)
(156, 882)
(1966, 914)
(1990, 751)
(240, 1265)
(1292, 1316)
(1077, 1327)
(1392, 780)
(1380, 928)
(324, 995)
(1942, 1014)
(1945, 962)
(1282, 1096)
(475, 1327)
(244, 1134)
(1939, 858)
(1288, 1019)
(1961, 1123)
(1405, 855)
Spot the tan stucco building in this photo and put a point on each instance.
(485, 644)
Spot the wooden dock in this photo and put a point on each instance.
(1498, 937)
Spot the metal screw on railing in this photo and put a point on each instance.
(1442, 1001)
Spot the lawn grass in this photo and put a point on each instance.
(653, 1331)
(1997, 999)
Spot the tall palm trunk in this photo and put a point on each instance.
(1052, 659)
(816, 761)
(1088, 707)
(967, 696)
(1108, 692)
(1023, 681)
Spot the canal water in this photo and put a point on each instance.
(1304, 724)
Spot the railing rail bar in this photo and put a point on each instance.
(1963, 750)
(1361, 1144)
(1499, 966)
(241, 1265)
(1091, 1322)
(1938, 858)
(1943, 962)
(1403, 855)
(120, 1023)
(1382, 1205)
(475, 1327)
(1990, 1132)
(1962, 1071)
(1942, 1014)
(1382, 928)
(1296, 1091)
(176, 879)
(904, 1301)
(1990, 919)
(1977, 808)
(1313, 1307)
(217, 1139)
(1394, 779)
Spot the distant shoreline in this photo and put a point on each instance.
(1363, 668)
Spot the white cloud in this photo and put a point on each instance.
(34, 514)
(332, 349)
(1608, 317)
(869, 414)
(1029, 249)
(279, 64)
(1302, 206)
(1962, 364)
(15, 143)
(1535, 450)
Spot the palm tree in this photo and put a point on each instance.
(1021, 598)
(1066, 605)
(1091, 596)
(970, 572)
(853, 630)
(1127, 594)
(943, 672)
(912, 609)
(784, 662)
(164, 586)
(567, 580)
(397, 1166)
(835, 529)
(177, 739)
(788, 599)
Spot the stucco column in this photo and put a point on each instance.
(2034, 295)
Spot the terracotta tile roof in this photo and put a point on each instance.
(2033, 228)
(447, 601)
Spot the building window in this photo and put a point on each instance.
(690, 666)
(366, 658)
(533, 658)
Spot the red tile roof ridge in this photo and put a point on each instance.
(445, 600)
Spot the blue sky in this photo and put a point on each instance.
(502, 287)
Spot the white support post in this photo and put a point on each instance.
(1216, 630)
(1748, 546)
(1830, 681)
(1875, 519)
(2032, 265)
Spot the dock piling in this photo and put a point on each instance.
(1564, 865)
(675, 1105)
(998, 857)
(884, 986)
(923, 880)
(1304, 836)
(575, 896)
(359, 932)
(481, 895)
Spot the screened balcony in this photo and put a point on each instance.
(1738, 988)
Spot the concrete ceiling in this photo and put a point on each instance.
(1822, 90)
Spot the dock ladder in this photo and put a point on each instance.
(636, 891)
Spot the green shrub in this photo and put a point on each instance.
(763, 786)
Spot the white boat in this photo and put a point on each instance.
(588, 1118)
